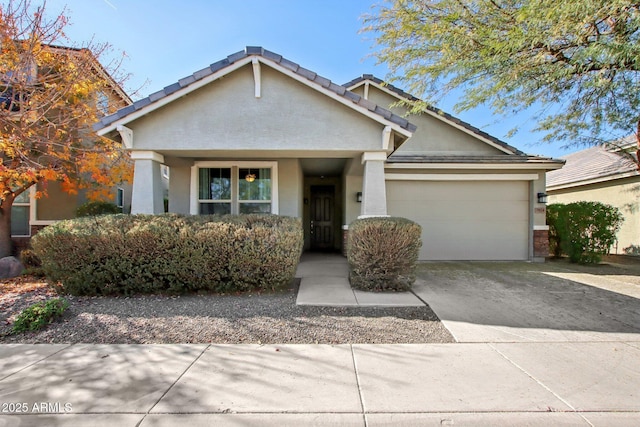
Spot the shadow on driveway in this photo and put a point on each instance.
(524, 302)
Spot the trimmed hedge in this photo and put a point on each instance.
(133, 254)
(382, 253)
(97, 208)
(583, 230)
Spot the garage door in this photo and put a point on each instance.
(466, 220)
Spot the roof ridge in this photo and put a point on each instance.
(272, 56)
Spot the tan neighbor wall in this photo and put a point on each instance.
(623, 194)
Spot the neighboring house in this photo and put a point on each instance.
(29, 214)
(603, 174)
(256, 132)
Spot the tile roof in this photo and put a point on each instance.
(399, 158)
(446, 116)
(274, 57)
(592, 163)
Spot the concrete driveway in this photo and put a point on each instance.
(526, 302)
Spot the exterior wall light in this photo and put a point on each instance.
(359, 197)
(542, 197)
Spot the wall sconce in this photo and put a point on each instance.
(359, 197)
(542, 197)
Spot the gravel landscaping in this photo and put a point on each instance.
(249, 318)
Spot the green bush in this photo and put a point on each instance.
(29, 259)
(553, 212)
(40, 314)
(97, 208)
(382, 253)
(133, 254)
(584, 230)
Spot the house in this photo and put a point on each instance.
(606, 174)
(28, 213)
(256, 132)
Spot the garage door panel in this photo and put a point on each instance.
(464, 220)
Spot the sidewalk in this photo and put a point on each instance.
(582, 384)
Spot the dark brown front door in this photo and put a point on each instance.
(322, 217)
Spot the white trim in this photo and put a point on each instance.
(194, 203)
(256, 77)
(435, 115)
(540, 228)
(491, 166)
(147, 155)
(366, 90)
(373, 216)
(373, 155)
(386, 138)
(593, 181)
(45, 222)
(461, 177)
(231, 68)
(127, 136)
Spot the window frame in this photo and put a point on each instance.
(235, 166)
(27, 204)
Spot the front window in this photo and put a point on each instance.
(235, 188)
(20, 215)
(254, 195)
(215, 191)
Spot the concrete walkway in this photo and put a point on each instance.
(503, 384)
(325, 282)
(542, 346)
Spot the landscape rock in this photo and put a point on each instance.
(10, 267)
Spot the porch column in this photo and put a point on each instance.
(147, 194)
(374, 192)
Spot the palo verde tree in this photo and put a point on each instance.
(576, 61)
(49, 98)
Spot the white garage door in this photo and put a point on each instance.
(465, 220)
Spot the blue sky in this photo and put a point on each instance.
(166, 40)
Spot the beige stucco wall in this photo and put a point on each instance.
(58, 204)
(226, 115)
(290, 187)
(623, 194)
(433, 136)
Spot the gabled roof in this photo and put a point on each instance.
(435, 112)
(592, 165)
(241, 58)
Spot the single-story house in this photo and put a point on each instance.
(256, 132)
(607, 174)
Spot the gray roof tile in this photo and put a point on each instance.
(254, 50)
(259, 51)
(142, 103)
(236, 56)
(289, 64)
(172, 88)
(219, 65)
(592, 163)
(200, 74)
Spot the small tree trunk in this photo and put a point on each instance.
(6, 245)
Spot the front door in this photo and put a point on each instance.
(322, 217)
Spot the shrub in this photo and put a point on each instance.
(382, 253)
(553, 212)
(129, 254)
(586, 230)
(40, 314)
(29, 259)
(97, 208)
